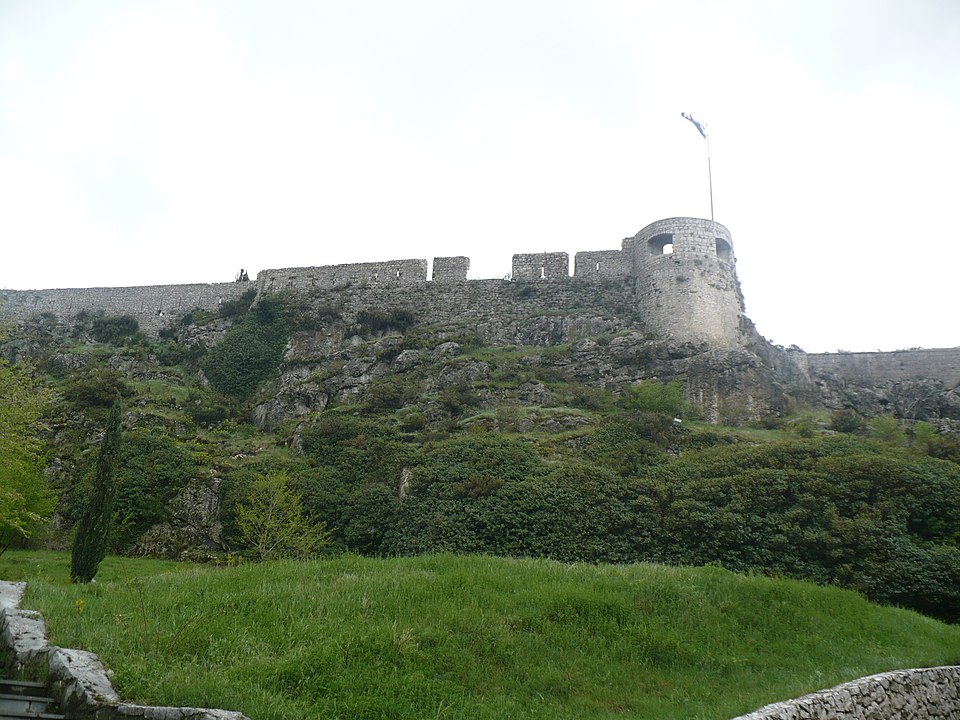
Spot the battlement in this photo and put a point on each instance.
(683, 269)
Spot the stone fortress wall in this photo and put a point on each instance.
(676, 279)
(154, 306)
(691, 295)
(873, 368)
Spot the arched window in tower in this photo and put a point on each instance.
(724, 251)
(661, 244)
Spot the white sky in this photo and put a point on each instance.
(162, 142)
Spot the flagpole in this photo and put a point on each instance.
(710, 175)
(706, 136)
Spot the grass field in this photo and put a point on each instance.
(469, 637)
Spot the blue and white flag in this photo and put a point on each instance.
(699, 127)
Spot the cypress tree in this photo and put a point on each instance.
(93, 527)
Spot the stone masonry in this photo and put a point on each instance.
(678, 277)
(541, 266)
(75, 678)
(920, 694)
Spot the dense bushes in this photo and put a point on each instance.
(97, 387)
(115, 330)
(253, 348)
(152, 469)
(844, 510)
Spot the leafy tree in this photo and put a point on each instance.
(656, 397)
(272, 523)
(96, 519)
(25, 499)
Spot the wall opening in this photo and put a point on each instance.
(724, 251)
(543, 273)
(661, 244)
(598, 267)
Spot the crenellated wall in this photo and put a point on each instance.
(602, 263)
(688, 295)
(390, 272)
(541, 266)
(450, 269)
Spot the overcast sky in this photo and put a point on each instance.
(165, 142)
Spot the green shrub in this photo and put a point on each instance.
(454, 398)
(96, 388)
(116, 330)
(207, 408)
(627, 442)
(655, 397)
(152, 470)
(390, 393)
(252, 349)
(886, 429)
(847, 420)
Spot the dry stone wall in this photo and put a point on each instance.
(920, 694)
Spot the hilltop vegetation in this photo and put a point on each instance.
(399, 438)
(470, 637)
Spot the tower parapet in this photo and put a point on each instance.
(687, 288)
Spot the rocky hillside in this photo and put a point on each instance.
(571, 434)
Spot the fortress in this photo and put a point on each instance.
(681, 273)
(675, 280)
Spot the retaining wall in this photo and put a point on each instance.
(76, 679)
(920, 694)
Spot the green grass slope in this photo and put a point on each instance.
(449, 636)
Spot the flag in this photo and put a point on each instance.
(697, 125)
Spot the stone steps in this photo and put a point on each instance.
(21, 699)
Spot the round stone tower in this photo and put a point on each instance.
(687, 288)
